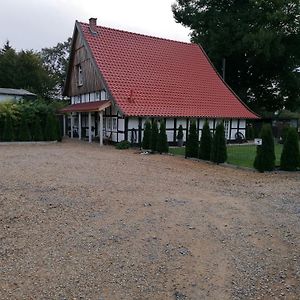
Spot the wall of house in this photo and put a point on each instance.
(135, 128)
(91, 80)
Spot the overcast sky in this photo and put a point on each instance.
(34, 24)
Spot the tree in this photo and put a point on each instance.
(192, 144)
(162, 140)
(55, 59)
(260, 42)
(154, 136)
(290, 156)
(218, 147)
(205, 142)
(147, 135)
(25, 70)
(265, 154)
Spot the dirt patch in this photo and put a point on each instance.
(83, 222)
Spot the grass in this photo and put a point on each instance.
(239, 155)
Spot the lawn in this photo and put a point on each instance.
(240, 155)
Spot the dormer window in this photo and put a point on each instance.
(80, 75)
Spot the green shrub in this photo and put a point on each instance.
(192, 144)
(205, 142)
(218, 148)
(24, 132)
(123, 145)
(180, 133)
(147, 135)
(265, 154)
(290, 156)
(50, 133)
(37, 133)
(154, 136)
(162, 139)
(58, 130)
(8, 130)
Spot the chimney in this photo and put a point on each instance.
(93, 25)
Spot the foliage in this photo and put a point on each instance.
(37, 133)
(260, 42)
(290, 157)
(25, 70)
(123, 145)
(205, 142)
(162, 139)
(147, 135)
(29, 118)
(154, 136)
(218, 148)
(180, 133)
(55, 59)
(265, 154)
(24, 133)
(50, 132)
(8, 130)
(192, 144)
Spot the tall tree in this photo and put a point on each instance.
(260, 42)
(55, 60)
(25, 69)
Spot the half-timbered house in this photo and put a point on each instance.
(117, 80)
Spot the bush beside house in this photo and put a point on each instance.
(290, 156)
(205, 142)
(192, 144)
(147, 135)
(218, 147)
(154, 136)
(162, 140)
(265, 154)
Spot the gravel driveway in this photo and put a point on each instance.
(83, 222)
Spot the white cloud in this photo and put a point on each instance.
(34, 24)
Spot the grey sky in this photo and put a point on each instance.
(34, 24)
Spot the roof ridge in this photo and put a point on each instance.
(141, 34)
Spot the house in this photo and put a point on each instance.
(117, 80)
(15, 94)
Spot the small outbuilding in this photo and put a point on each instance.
(117, 80)
(15, 94)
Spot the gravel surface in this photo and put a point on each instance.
(83, 222)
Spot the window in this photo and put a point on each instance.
(226, 128)
(103, 95)
(80, 75)
(114, 123)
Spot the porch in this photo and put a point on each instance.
(85, 120)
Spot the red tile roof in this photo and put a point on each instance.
(86, 107)
(150, 76)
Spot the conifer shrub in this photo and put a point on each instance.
(24, 132)
(180, 136)
(218, 148)
(205, 142)
(192, 144)
(290, 156)
(265, 154)
(58, 129)
(147, 135)
(50, 132)
(8, 130)
(154, 136)
(37, 133)
(162, 139)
